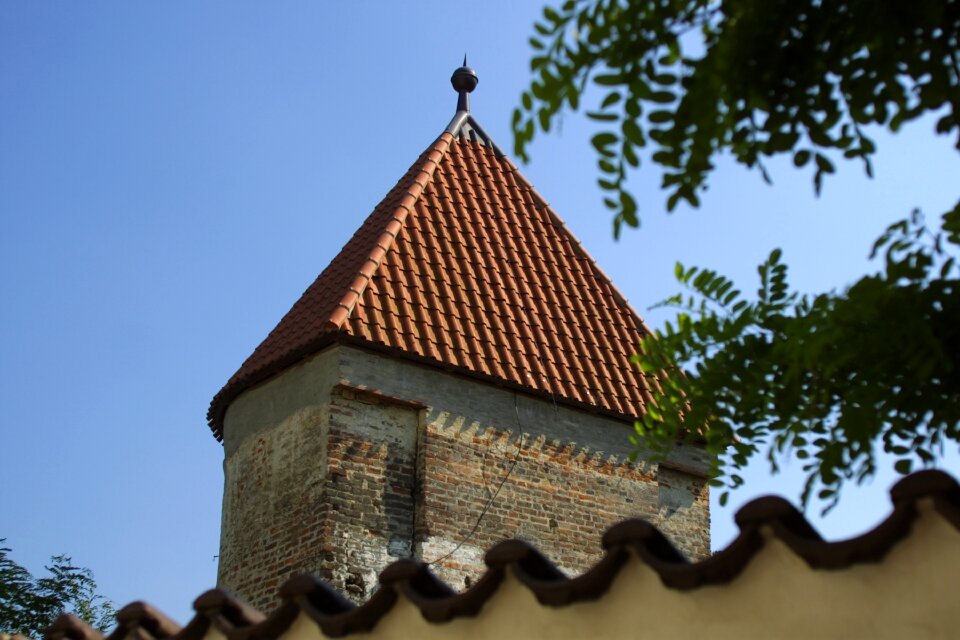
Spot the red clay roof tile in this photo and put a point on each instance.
(464, 266)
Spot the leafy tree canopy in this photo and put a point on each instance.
(827, 378)
(28, 604)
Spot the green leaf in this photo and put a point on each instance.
(611, 99)
(665, 79)
(628, 209)
(608, 79)
(663, 97)
(602, 117)
(633, 133)
(824, 164)
(673, 200)
(667, 159)
(603, 140)
(544, 117)
(653, 411)
(660, 117)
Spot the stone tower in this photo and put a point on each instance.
(459, 374)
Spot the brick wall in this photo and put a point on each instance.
(273, 511)
(274, 481)
(324, 475)
(557, 496)
(369, 491)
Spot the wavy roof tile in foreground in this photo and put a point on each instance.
(463, 265)
(762, 523)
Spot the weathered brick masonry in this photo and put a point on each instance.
(370, 491)
(559, 496)
(326, 476)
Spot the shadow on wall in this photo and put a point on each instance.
(672, 496)
(399, 478)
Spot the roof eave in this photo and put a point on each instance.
(233, 390)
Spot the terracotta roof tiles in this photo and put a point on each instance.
(463, 265)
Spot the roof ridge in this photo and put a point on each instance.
(383, 243)
(465, 126)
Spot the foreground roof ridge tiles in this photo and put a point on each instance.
(464, 266)
(761, 521)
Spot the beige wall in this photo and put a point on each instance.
(896, 582)
(911, 594)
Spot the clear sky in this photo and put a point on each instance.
(174, 175)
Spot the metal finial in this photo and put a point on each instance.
(464, 80)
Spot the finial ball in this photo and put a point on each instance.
(464, 79)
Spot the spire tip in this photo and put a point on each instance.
(464, 80)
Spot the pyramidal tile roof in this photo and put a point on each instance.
(464, 266)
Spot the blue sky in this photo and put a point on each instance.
(173, 176)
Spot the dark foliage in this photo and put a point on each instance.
(28, 604)
(830, 378)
